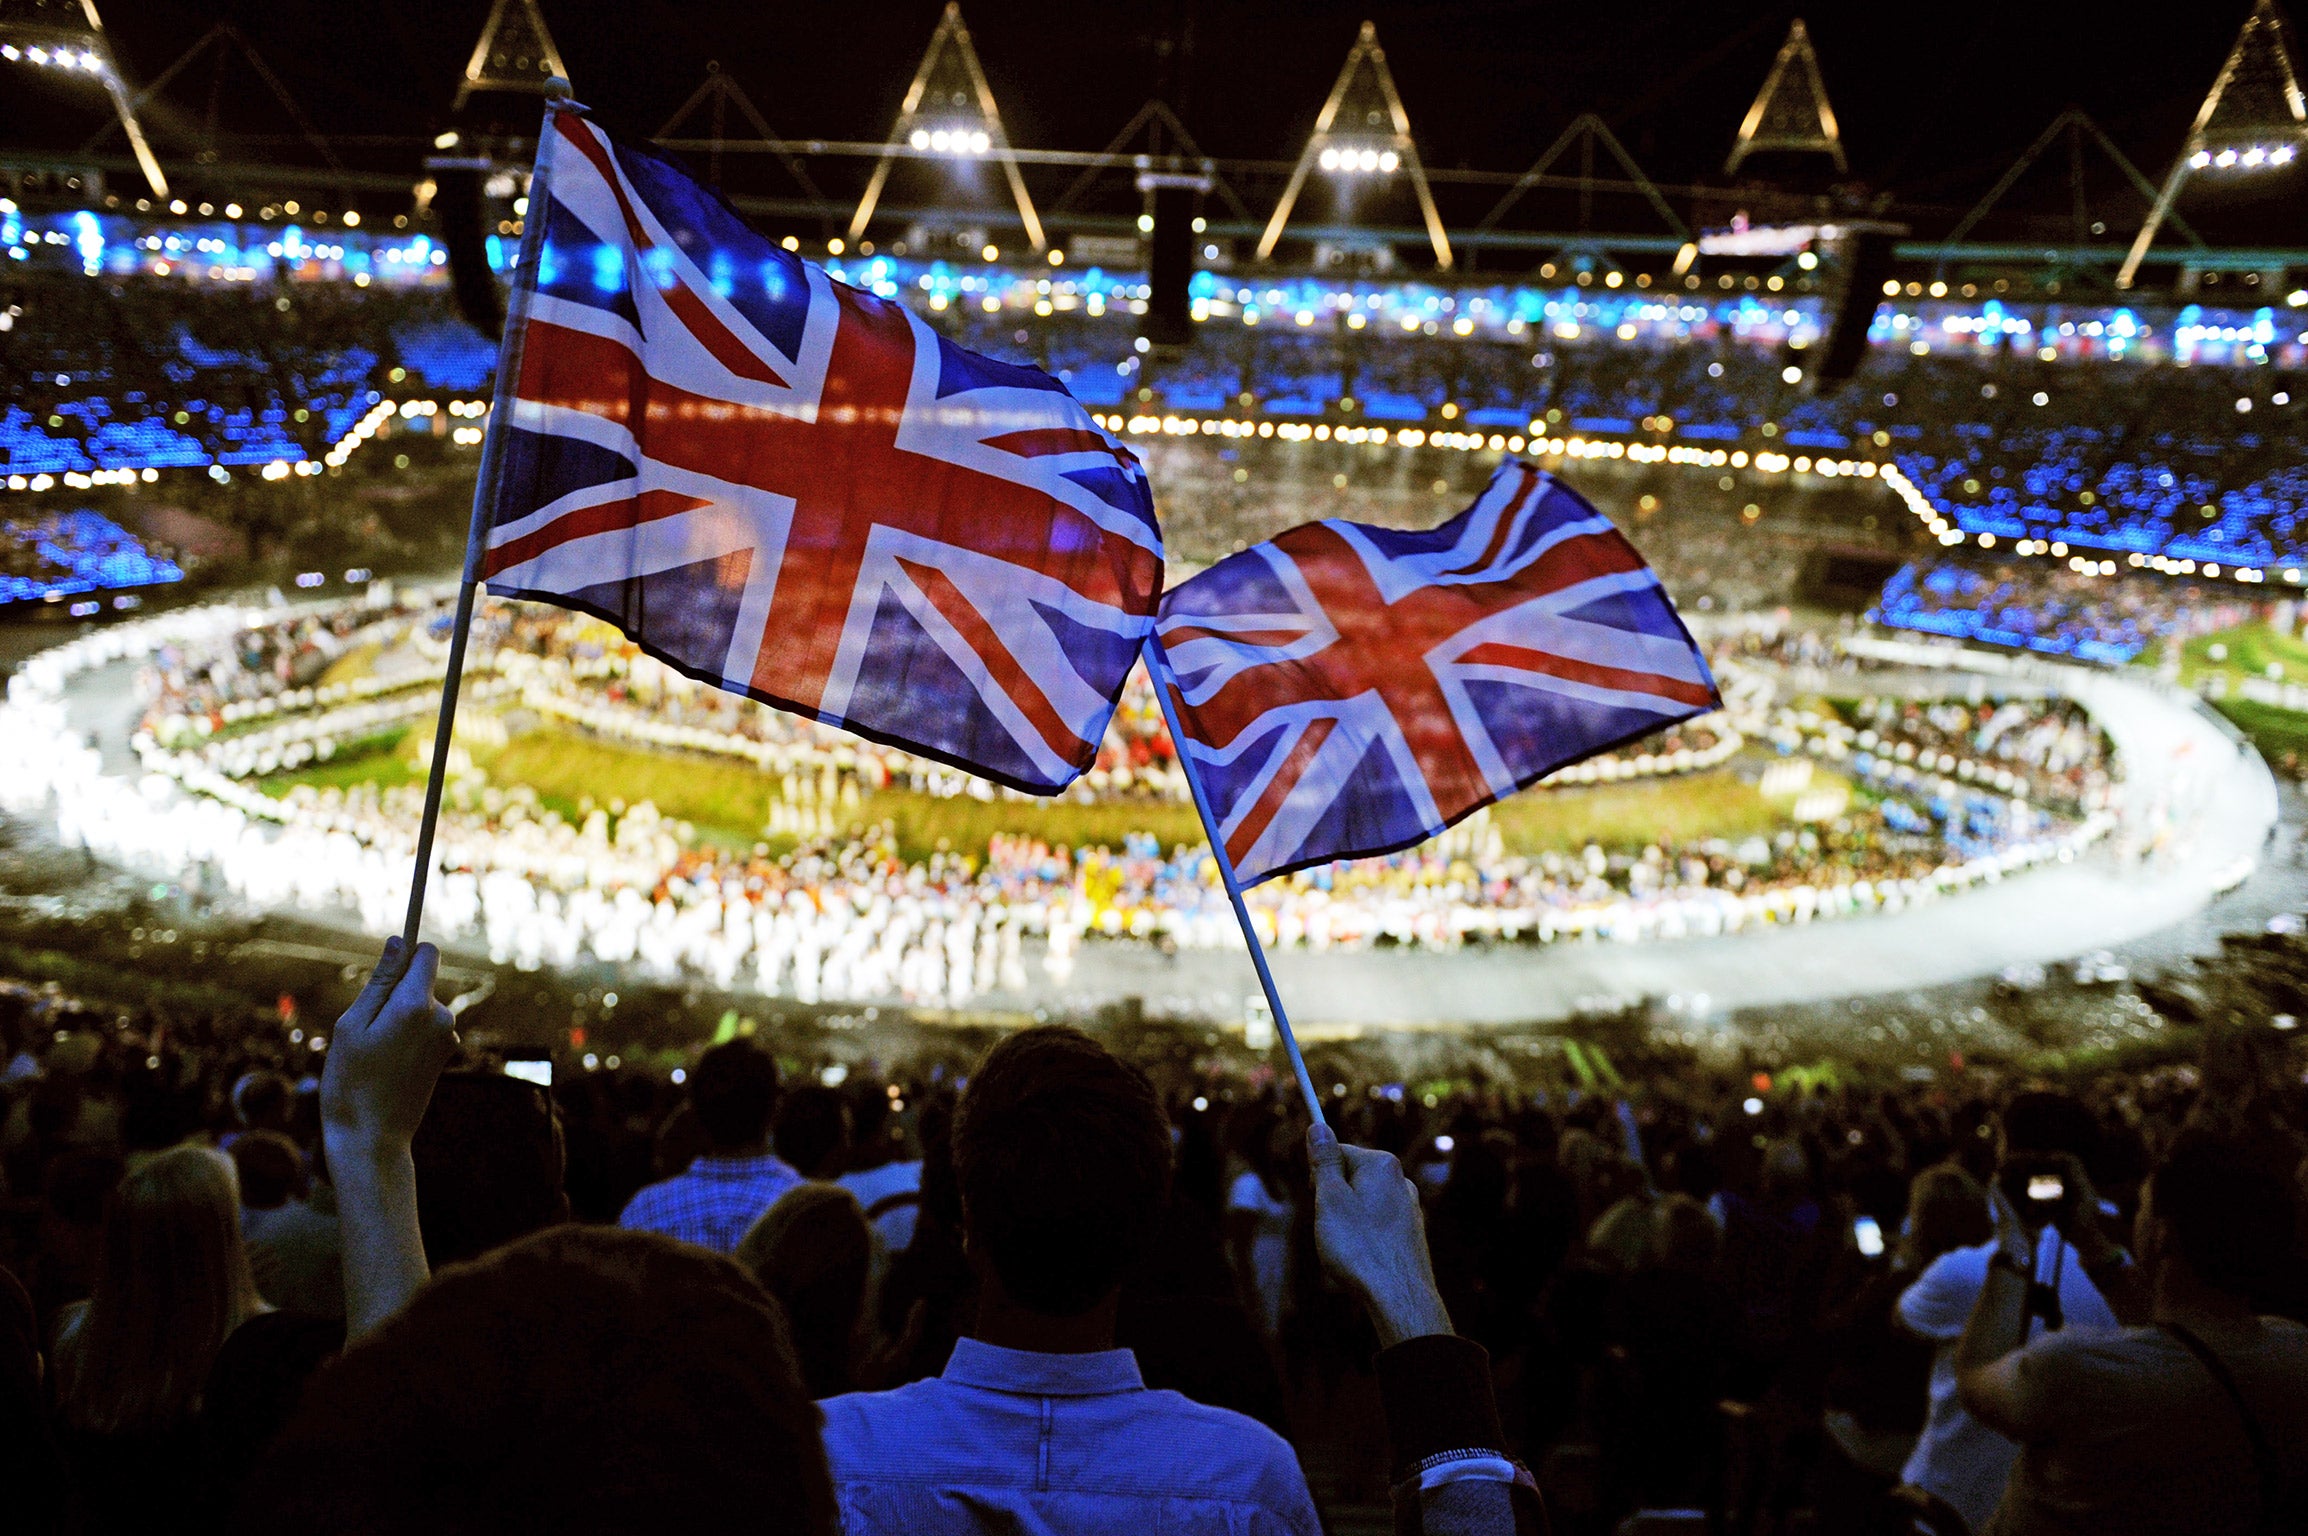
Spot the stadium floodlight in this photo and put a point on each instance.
(1347, 158)
(949, 111)
(67, 37)
(959, 142)
(1368, 137)
(515, 53)
(1790, 113)
(2253, 120)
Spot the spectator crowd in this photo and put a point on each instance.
(1678, 1282)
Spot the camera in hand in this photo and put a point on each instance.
(2039, 1191)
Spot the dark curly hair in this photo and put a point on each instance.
(581, 1380)
(1063, 1156)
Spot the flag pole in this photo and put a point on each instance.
(485, 496)
(1158, 670)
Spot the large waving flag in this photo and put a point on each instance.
(1348, 690)
(799, 491)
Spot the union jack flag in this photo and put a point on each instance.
(797, 490)
(1347, 690)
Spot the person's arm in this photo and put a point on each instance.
(386, 1054)
(1452, 1471)
(2107, 1266)
(1986, 1357)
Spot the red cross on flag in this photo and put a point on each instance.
(797, 490)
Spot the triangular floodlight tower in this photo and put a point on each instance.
(1372, 137)
(515, 53)
(949, 104)
(2254, 119)
(1153, 121)
(225, 39)
(1790, 114)
(2077, 126)
(722, 93)
(68, 37)
(1586, 131)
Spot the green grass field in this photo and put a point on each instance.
(2250, 649)
(729, 802)
(379, 760)
(2276, 732)
(1700, 805)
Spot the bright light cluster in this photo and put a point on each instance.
(1949, 535)
(951, 141)
(1348, 161)
(77, 481)
(55, 58)
(2251, 158)
(364, 429)
(1539, 443)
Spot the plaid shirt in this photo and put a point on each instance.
(713, 1203)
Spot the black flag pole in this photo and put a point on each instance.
(1158, 671)
(485, 494)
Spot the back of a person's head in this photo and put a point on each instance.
(171, 1283)
(490, 1165)
(1683, 1236)
(813, 1130)
(2043, 1120)
(1786, 1171)
(260, 1101)
(2228, 1209)
(1946, 1209)
(812, 1250)
(271, 1169)
(1063, 1158)
(733, 1089)
(581, 1380)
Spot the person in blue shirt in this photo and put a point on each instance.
(718, 1197)
(1039, 1422)
(583, 1380)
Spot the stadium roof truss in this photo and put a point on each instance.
(1790, 113)
(514, 53)
(69, 35)
(2254, 117)
(1152, 121)
(1392, 136)
(951, 66)
(225, 39)
(723, 92)
(1586, 131)
(2077, 126)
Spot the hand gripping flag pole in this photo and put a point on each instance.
(1158, 670)
(485, 496)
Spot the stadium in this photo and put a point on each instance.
(1690, 394)
(1974, 471)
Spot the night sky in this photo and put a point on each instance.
(1934, 101)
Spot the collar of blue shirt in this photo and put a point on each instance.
(1031, 1373)
(713, 1165)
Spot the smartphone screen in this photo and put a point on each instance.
(530, 1066)
(1868, 1234)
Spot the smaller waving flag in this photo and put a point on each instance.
(1347, 691)
(797, 490)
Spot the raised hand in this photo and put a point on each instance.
(1369, 1230)
(387, 1052)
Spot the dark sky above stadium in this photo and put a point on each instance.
(1934, 99)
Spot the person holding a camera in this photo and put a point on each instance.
(1960, 1459)
(2196, 1423)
